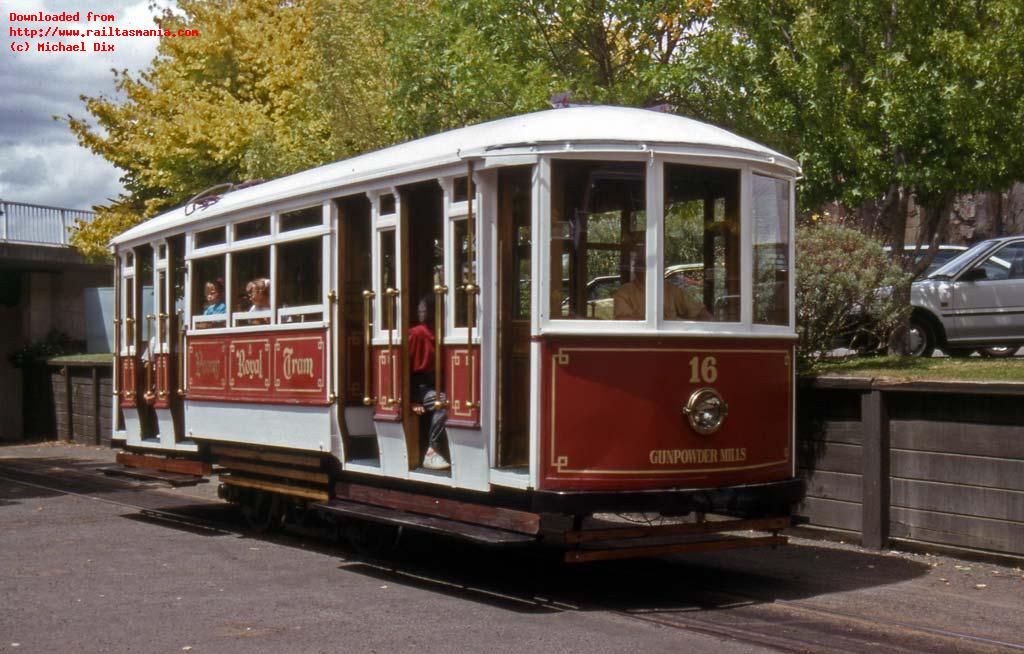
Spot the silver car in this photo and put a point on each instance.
(974, 302)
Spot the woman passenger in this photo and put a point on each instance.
(422, 347)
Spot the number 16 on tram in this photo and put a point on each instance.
(603, 297)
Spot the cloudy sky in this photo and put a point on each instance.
(42, 163)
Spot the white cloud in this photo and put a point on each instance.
(40, 85)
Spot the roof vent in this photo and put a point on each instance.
(561, 100)
(663, 108)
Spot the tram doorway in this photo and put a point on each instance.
(422, 269)
(515, 245)
(354, 274)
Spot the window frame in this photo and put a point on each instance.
(271, 241)
(655, 178)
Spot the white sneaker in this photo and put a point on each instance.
(434, 461)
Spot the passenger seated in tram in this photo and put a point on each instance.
(629, 300)
(213, 292)
(422, 347)
(258, 292)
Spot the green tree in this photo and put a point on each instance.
(880, 101)
(459, 62)
(265, 90)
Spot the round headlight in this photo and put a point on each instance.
(706, 410)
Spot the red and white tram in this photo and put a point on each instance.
(614, 332)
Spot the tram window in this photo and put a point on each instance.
(129, 311)
(309, 217)
(147, 327)
(161, 295)
(599, 223)
(252, 229)
(388, 277)
(387, 204)
(208, 294)
(462, 272)
(250, 286)
(300, 281)
(129, 259)
(771, 250)
(210, 237)
(162, 252)
(701, 243)
(460, 189)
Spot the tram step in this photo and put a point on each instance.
(172, 478)
(475, 533)
(164, 464)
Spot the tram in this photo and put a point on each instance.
(607, 298)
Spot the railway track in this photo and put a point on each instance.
(746, 617)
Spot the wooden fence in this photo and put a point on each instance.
(937, 463)
(82, 401)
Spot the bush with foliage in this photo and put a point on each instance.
(844, 292)
(55, 344)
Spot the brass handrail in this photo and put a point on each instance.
(470, 287)
(182, 328)
(130, 323)
(333, 298)
(368, 296)
(392, 294)
(117, 357)
(471, 291)
(439, 292)
(149, 394)
(161, 334)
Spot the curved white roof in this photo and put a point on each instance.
(595, 125)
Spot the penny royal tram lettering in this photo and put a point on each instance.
(293, 365)
(247, 367)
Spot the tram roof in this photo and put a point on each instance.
(589, 125)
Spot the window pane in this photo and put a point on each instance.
(208, 289)
(460, 189)
(701, 244)
(598, 231)
(387, 204)
(210, 237)
(771, 250)
(388, 277)
(250, 281)
(309, 217)
(1007, 263)
(299, 277)
(252, 229)
(460, 233)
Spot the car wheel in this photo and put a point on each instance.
(999, 351)
(920, 340)
(958, 352)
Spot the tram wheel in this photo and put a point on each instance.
(263, 511)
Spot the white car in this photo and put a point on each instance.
(975, 301)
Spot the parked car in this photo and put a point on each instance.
(943, 255)
(975, 301)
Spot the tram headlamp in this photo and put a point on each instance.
(706, 410)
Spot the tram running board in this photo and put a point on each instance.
(475, 533)
(172, 478)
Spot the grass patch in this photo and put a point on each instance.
(930, 369)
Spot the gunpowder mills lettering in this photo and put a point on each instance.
(698, 456)
(206, 367)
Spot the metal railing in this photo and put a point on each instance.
(38, 225)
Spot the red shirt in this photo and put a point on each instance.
(421, 348)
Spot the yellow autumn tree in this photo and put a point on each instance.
(266, 89)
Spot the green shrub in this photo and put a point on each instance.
(844, 292)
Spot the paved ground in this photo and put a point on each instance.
(91, 571)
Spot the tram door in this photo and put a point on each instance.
(422, 251)
(513, 325)
(354, 273)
